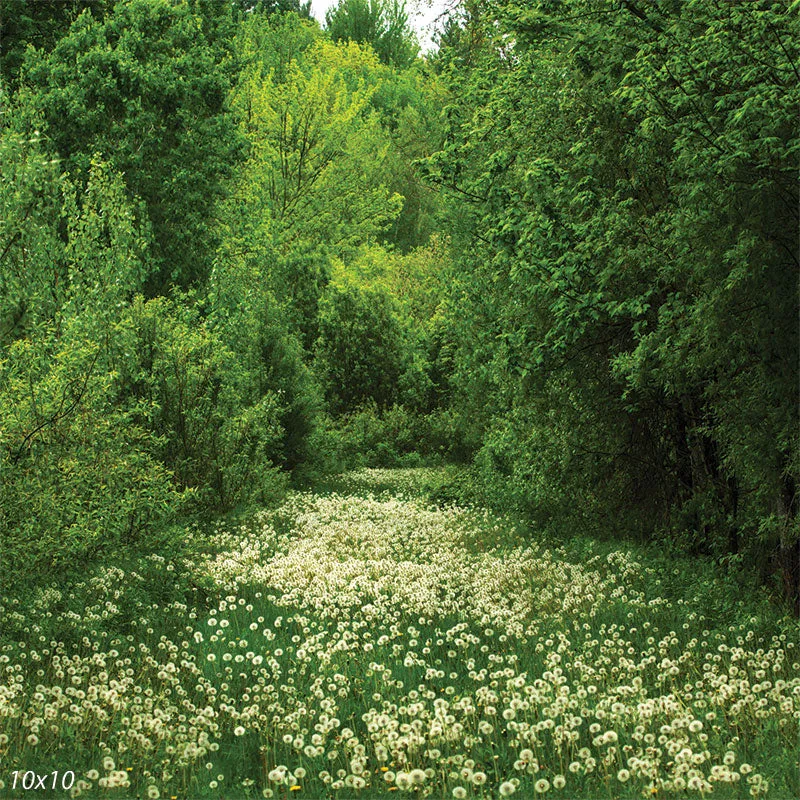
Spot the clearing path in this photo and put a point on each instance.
(358, 645)
(431, 660)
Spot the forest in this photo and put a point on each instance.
(377, 418)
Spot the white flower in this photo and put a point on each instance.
(277, 775)
(403, 780)
(417, 777)
(479, 778)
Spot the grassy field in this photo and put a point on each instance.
(366, 643)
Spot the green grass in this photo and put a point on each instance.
(370, 636)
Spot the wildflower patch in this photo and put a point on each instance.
(359, 646)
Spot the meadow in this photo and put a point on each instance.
(365, 642)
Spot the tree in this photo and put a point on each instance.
(408, 103)
(270, 7)
(312, 187)
(626, 207)
(146, 89)
(32, 268)
(383, 24)
(79, 466)
(39, 25)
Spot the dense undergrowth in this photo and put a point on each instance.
(366, 640)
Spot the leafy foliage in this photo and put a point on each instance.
(269, 7)
(220, 435)
(360, 350)
(383, 24)
(312, 186)
(630, 259)
(238, 250)
(31, 258)
(80, 467)
(40, 25)
(146, 88)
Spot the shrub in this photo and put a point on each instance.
(79, 472)
(220, 430)
(360, 352)
(397, 436)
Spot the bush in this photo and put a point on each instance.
(360, 351)
(79, 473)
(275, 358)
(220, 429)
(395, 437)
(110, 430)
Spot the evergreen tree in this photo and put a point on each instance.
(383, 24)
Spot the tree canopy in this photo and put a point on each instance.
(383, 24)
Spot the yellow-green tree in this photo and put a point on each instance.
(312, 185)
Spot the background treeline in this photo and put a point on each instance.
(240, 250)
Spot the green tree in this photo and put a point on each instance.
(408, 103)
(270, 7)
(383, 24)
(32, 268)
(623, 194)
(312, 186)
(218, 421)
(146, 88)
(79, 467)
(39, 25)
